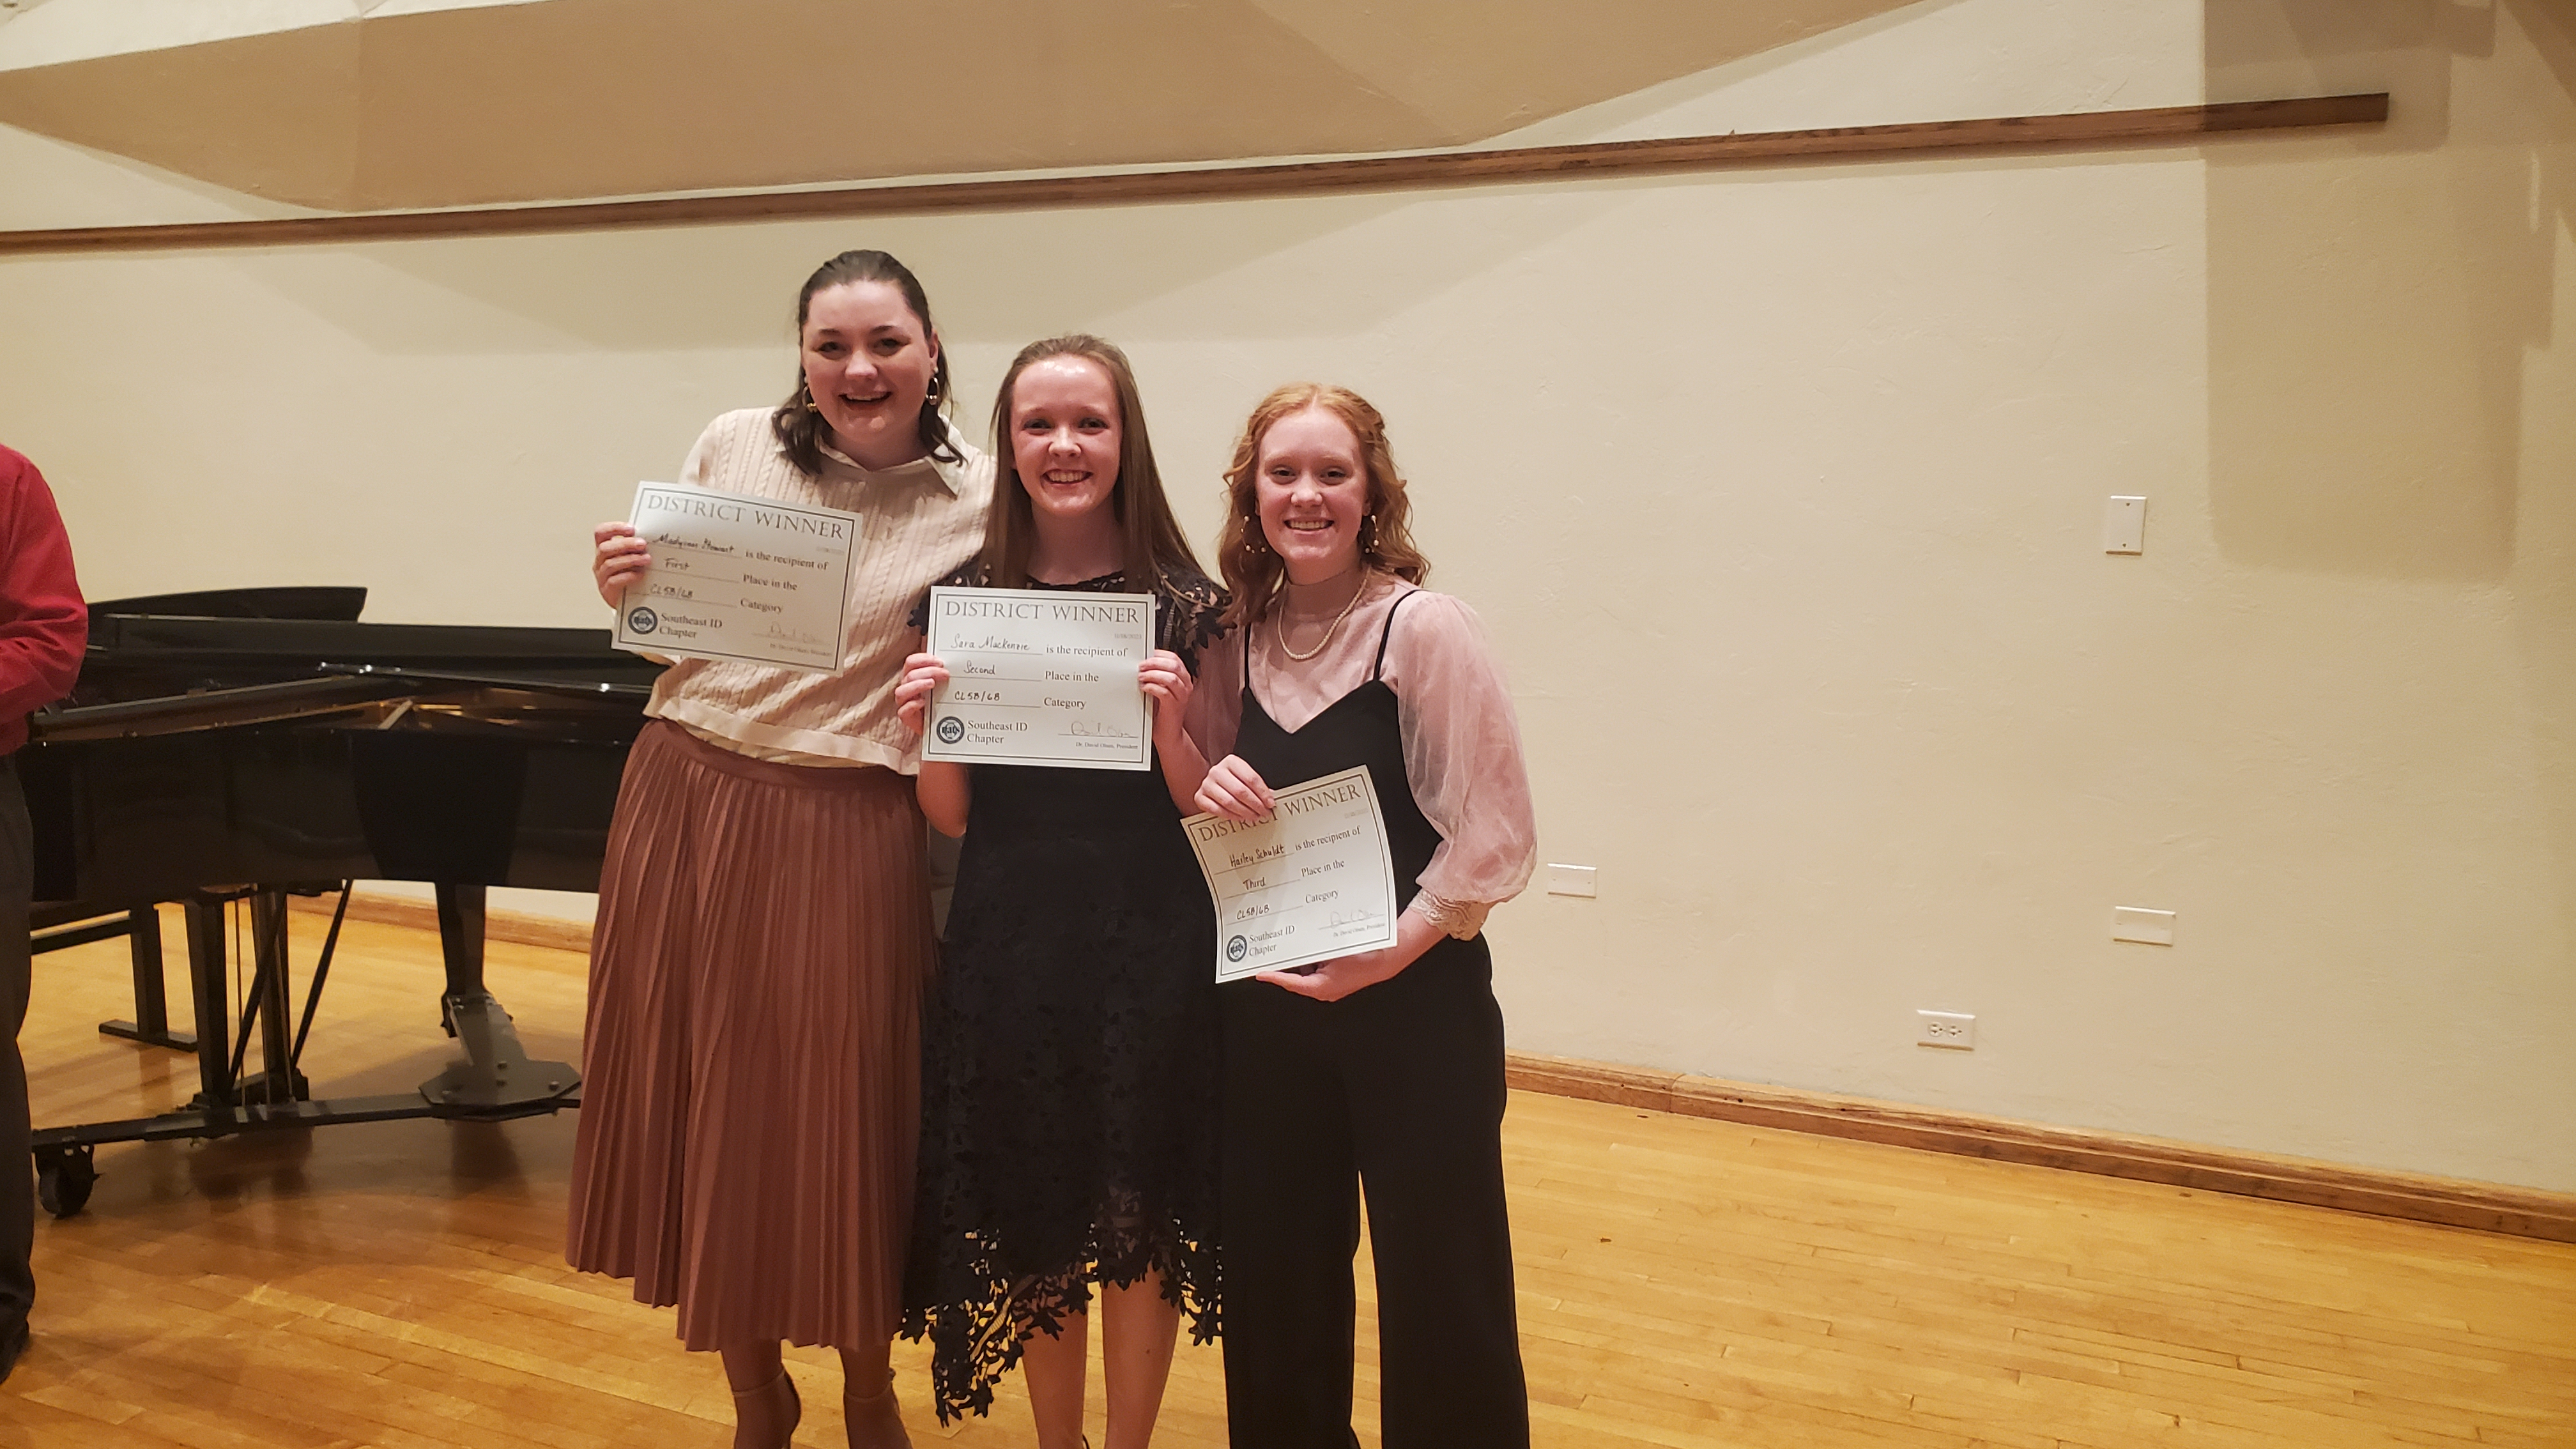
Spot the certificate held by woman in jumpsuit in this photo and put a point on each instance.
(1039, 677)
(1312, 882)
(741, 578)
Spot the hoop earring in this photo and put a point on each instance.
(931, 394)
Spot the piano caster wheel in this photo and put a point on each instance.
(64, 1176)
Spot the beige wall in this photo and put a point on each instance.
(1780, 492)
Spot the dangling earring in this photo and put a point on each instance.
(805, 390)
(931, 393)
(1368, 536)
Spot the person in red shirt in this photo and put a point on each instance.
(43, 628)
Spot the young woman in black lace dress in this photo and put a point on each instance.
(1069, 1053)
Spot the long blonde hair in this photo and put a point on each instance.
(1253, 572)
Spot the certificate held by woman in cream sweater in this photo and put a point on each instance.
(741, 578)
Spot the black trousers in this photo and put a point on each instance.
(1398, 1088)
(17, 1166)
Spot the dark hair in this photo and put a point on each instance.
(798, 427)
(1252, 570)
(1155, 545)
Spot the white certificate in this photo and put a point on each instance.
(735, 577)
(1041, 677)
(1312, 882)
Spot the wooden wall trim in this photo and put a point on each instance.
(513, 926)
(2451, 1202)
(2076, 130)
(2488, 1207)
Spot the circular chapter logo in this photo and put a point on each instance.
(642, 621)
(951, 730)
(1237, 948)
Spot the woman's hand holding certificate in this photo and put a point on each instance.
(1040, 678)
(728, 576)
(1312, 882)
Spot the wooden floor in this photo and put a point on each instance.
(1683, 1282)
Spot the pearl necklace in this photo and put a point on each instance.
(1347, 604)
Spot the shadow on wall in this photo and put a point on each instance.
(2369, 320)
(687, 289)
(2385, 398)
(2547, 534)
(1327, 266)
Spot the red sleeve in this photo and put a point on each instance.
(43, 625)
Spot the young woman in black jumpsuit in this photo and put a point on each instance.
(1383, 1068)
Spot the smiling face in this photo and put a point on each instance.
(1312, 494)
(868, 364)
(1065, 435)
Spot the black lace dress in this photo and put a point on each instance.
(1069, 1069)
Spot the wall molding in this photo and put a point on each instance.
(517, 927)
(2450, 1202)
(1998, 134)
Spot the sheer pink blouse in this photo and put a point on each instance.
(1462, 742)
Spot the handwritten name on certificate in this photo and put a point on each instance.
(1041, 678)
(735, 577)
(1312, 882)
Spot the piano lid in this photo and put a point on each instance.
(297, 601)
(165, 646)
(346, 690)
(305, 645)
(291, 699)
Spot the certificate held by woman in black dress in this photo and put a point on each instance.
(1040, 678)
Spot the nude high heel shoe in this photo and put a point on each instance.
(875, 1422)
(760, 1421)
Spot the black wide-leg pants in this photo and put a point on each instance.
(17, 1166)
(1398, 1088)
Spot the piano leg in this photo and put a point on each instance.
(495, 1082)
(460, 940)
(278, 1080)
(207, 976)
(496, 1078)
(151, 1023)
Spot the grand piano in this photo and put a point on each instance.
(225, 750)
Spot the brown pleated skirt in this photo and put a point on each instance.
(750, 1075)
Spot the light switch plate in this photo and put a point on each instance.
(2143, 925)
(2124, 525)
(1571, 880)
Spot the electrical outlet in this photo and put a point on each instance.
(1952, 1029)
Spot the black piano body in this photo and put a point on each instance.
(225, 750)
